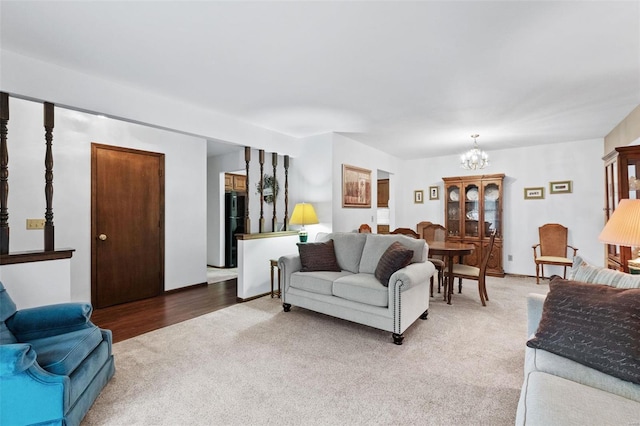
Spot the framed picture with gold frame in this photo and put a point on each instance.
(418, 196)
(434, 192)
(356, 187)
(534, 193)
(562, 187)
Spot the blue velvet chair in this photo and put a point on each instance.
(53, 363)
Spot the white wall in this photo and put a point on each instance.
(348, 151)
(536, 166)
(185, 188)
(38, 283)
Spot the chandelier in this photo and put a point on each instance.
(475, 158)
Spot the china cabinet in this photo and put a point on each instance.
(622, 180)
(473, 209)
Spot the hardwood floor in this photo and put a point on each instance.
(132, 319)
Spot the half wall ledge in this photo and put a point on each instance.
(35, 256)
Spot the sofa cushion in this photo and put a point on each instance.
(318, 257)
(582, 271)
(550, 400)
(362, 288)
(376, 245)
(320, 282)
(348, 247)
(395, 257)
(595, 325)
(63, 353)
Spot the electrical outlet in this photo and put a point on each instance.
(35, 224)
(510, 258)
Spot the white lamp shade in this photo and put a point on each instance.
(623, 227)
(303, 214)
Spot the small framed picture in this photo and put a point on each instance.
(534, 193)
(563, 187)
(418, 197)
(434, 192)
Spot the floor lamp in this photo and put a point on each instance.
(623, 227)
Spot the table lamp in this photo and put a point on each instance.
(303, 214)
(623, 227)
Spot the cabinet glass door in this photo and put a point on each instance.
(453, 211)
(471, 210)
(491, 214)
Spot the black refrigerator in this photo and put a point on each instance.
(234, 224)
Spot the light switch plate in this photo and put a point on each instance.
(35, 224)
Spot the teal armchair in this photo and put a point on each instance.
(53, 363)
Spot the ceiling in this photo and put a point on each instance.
(414, 79)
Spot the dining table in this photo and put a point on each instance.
(449, 249)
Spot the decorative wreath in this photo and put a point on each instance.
(267, 189)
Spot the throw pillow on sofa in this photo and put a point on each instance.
(594, 325)
(318, 257)
(395, 257)
(582, 271)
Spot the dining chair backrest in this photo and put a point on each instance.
(432, 232)
(406, 231)
(364, 229)
(553, 240)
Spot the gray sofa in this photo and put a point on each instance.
(560, 391)
(354, 293)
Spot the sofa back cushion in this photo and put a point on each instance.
(376, 245)
(582, 271)
(348, 247)
(7, 309)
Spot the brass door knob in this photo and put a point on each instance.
(102, 237)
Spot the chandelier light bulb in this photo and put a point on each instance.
(475, 158)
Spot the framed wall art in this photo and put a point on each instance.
(418, 197)
(534, 193)
(434, 193)
(356, 187)
(562, 187)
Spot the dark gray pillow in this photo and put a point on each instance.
(595, 325)
(395, 257)
(318, 257)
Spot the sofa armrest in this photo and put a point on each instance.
(288, 265)
(50, 320)
(412, 275)
(29, 394)
(534, 312)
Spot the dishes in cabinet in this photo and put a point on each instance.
(454, 195)
(472, 194)
(472, 215)
(491, 194)
(453, 212)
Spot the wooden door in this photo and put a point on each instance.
(127, 224)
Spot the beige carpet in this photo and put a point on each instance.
(253, 364)
(216, 275)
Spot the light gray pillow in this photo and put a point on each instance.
(582, 271)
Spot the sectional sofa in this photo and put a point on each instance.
(582, 363)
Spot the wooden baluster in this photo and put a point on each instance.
(261, 159)
(48, 176)
(4, 174)
(274, 162)
(286, 192)
(247, 220)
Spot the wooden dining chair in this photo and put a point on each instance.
(406, 231)
(431, 232)
(364, 229)
(553, 249)
(461, 271)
